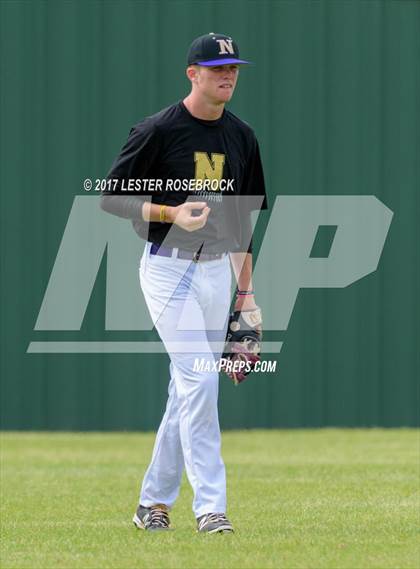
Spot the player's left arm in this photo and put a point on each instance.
(244, 330)
(242, 268)
(241, 260)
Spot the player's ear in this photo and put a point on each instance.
(192, 73)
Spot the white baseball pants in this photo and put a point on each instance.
(189, 305)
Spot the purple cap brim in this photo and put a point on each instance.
(226, 61)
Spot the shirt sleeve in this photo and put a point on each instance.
(134, 162)
(138, 153)
(253, 186)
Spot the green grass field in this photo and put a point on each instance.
(298, 499)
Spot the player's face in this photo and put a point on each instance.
(218, 83)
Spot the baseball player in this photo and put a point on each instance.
(194, 236)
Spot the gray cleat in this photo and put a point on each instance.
(214, 523)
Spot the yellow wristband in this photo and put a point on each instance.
(162, 213)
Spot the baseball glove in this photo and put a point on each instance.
(243, 344)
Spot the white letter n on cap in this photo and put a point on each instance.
(225, 46)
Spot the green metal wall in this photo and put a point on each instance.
(334, 98)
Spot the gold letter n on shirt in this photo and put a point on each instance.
(209, 168)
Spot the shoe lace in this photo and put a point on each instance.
(218, 517)
(158, 518)
(213, 518)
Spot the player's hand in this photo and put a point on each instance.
(247, 304)
(183, 215)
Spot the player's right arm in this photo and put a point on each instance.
(137, 156)
(133, 207)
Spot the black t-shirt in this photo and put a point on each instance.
(169, 153)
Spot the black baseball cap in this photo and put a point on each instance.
(213, 49)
